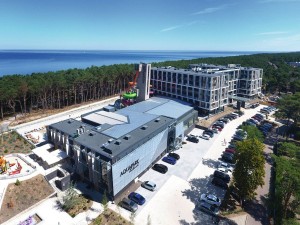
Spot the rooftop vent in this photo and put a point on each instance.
(118, 142)
(91, 134)
(127, 137)
(144, 127)
(109, 151)
(110, 140)
(69, 121)
(157, 120)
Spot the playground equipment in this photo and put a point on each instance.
(3, 167)
(131, 92)
(15, 169)
(11, 168)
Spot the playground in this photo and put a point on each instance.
(12, 165)
(21, 195)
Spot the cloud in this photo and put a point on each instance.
(208, 10)
(180, 26)
(171, 28)
(272, 33)
(284, 1)
(291, 42)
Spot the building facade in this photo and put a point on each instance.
(207, 87)
(110, 150)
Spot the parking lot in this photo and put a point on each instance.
(178, 191)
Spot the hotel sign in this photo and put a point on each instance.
(130, 168)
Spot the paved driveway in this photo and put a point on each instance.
(175, 200)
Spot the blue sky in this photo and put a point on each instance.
(258, 25)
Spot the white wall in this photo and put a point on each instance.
(137, 161)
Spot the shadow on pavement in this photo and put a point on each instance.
(200, 186)
(211, 163)
(257, 211)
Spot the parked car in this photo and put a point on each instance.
(217, 127)
(128, 204)
(192, 139)
(220, 124)
(227, 158)
(219, 182)
(137, 198)
(210, 199)
(205, 136)
(174, 155)
(215, 130)
(211, 209)
(225, 166)
(169, 160)
(160, 168)
(225, 120)
(222, 175)
(230, 150)
(224, 170)
(210, 133)
(149, 185)
(229, 154)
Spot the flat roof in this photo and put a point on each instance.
(70, 126)
(188, 71)
(103, 117)
(50, 157)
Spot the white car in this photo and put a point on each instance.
(149, 185)
(225, 166)
(211, 199)
(205, 137)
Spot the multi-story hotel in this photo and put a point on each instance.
(208, 87)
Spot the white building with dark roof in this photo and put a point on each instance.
(111, 149)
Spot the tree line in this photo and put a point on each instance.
(54, 90)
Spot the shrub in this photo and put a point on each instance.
(17, 182)
(5, 151)
(297, 135)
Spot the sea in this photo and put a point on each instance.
(35, 61)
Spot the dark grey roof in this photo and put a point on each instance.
(135, 120)
(116, 148)
(127, 143)
(70, 126)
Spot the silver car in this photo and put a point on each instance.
(128, 204)
(149, 185)
(211, 199)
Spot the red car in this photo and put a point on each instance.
(217, 127)
(230, 150)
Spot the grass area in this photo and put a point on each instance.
(22, 195)
(12, 142)
(82, 204)
(109, 217)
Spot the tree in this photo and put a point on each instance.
(287, 185)
(249, 169)
(253, 132)
(289, 107)
(105, 201)
(288, 149)
(70, 200)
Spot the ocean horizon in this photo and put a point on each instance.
(25, 62)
